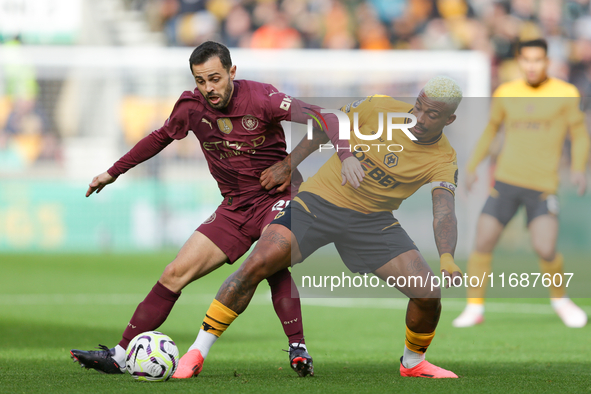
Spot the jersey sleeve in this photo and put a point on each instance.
(445, 177)
(281, 107)
(177, 124)
(145, 149)
(355, 106)
(497, 115)
(579, 135)
(176, 127)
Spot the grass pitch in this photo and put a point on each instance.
(50, 304)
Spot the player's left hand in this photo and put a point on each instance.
(450, 270)
(278, 174)
(580, 181)
(352, 172)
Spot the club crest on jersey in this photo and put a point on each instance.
(225, 125)
(249, 122)
(210, 219)
(391, 160)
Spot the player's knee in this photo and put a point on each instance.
(428, 304)
(485, 244)
(546, 252)
(257, 268)
(174, 276)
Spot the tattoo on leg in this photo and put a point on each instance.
(238, 289)
(236, 292)
(277, 239)
(415, 266)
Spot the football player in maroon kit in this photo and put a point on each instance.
(238, 126)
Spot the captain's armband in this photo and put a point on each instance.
(444, 185)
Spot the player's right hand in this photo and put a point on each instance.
(580, 181)
(99, 182)
(352, 172)
(449, 269)
(471, 179)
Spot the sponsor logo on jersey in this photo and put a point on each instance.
(234, 148)
(203, 120)
(225, 125)
(375, 173)
(249, 122)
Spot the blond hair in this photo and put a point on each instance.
(444, 89)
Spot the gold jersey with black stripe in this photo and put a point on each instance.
(391, 175)
(536, 121)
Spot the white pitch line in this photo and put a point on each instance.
(260, 299)
(400, 304)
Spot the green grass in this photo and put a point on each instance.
(50, 304)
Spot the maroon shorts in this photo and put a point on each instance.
(234, 231)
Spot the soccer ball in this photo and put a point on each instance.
(151, 356)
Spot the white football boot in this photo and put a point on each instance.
(473, 314)
(570, 314)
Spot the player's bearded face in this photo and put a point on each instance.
(533, 63)
(432, 117)
(214, 82)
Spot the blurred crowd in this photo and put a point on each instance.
(493, 27)
(28, 130)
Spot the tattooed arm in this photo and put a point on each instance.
(445, 225)
(445, 228)
(280, 172)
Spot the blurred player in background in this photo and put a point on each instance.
(238, 125)
(527, 173)
(360, 222)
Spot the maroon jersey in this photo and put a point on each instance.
(239, 142)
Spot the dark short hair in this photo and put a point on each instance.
(207, 50)
(538, 43)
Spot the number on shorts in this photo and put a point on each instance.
(279, 205)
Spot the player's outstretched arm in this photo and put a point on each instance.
(481, 151)
(445, 228)
(99, 182)
(580, 144)
(280, 172)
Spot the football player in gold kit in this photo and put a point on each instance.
(527, 173)
(359, 221)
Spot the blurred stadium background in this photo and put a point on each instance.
(82, 81)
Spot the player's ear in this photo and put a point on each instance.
(450, 120)
(233, 72)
